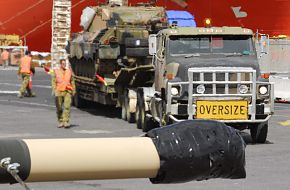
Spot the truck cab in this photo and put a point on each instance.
(208, 73)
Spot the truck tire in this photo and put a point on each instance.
(259, 132)
(130, 116)
(149, 124)
(78, 101)
(124, 111)
(140, 113)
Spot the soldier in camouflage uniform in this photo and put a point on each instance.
(63, 87)
(5, 58)
(26, 69)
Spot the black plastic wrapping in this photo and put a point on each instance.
(198, 150)
(18, 151)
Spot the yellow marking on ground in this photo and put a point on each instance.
(285, 123)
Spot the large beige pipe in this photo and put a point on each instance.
(189, 150)
(96, 158)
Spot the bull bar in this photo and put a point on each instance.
(252, 95)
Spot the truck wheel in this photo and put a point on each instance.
(130, 116)
(149, 124)
(78, 101)
(259, 132)
(124, 112)
(140, 113)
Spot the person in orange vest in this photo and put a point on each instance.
(63, 88)
(5, 58)
(26, 69)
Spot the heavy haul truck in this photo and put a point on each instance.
(110, 58)
(206, 73)
(130, 57)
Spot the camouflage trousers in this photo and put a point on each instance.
(5, 63)
(25, 87)
(63, 105)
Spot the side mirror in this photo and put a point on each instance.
(152, 44)
(264, 44)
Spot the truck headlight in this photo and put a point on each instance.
(243, 89)
(263, 90)
(138, 42)
(174, 91)
(200, 89)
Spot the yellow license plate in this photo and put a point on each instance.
(222, 110)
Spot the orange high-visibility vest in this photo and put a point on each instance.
(63, 80)
(5, 55)
(25, 65)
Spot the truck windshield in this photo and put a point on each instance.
(222, 44)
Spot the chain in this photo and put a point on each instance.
(13, 170)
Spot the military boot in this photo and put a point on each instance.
(60, 125)
(66, 125)
(32, 94)
(20, 95)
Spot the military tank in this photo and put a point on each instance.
(110, 57)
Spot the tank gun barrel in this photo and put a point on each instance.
(156, 20)
(190, 150)
(118, 2)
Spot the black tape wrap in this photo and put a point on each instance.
(18, 151)
(198, 150)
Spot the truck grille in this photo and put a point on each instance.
(222, 89)
(222, 81)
